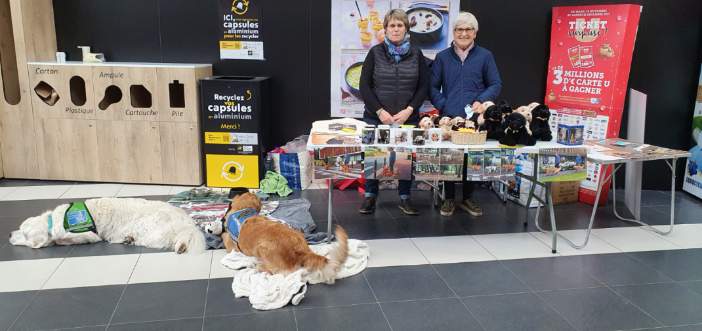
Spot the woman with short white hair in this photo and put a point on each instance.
(463, 77)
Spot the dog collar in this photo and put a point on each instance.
(236, 220)
(50, 222)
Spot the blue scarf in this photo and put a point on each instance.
(398, 51)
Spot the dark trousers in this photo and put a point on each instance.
(403, 188)
(450, 189)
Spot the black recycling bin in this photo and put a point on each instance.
(232, 114)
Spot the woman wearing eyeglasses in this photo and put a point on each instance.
(463, 76)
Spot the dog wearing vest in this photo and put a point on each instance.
(279, 248)
(153, 224)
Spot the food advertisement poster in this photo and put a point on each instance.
(241, 30)
(588, 71)
(357, 25)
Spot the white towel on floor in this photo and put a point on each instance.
(266, 291)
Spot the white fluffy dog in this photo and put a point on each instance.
(140, 222)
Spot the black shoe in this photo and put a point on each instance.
(368, 206)
(406, 207)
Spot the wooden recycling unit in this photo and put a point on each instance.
(112, 122)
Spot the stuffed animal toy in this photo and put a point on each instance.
(457, 123)
(516, 131)
(426, 123)
(444, 121)
(526, 111)
(505, 108)
(493, 123)
(540, 129)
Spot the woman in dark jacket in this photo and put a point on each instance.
(394, 84)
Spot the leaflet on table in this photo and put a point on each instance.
(624, 149)
(562, 164)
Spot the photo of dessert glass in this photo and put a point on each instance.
(366, 38)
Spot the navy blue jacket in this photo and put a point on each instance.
(454, 84)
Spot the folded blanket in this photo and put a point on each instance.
(266, 291)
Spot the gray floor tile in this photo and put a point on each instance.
(680, 265)
(480, 278)
(263, 321)
(67, 308)
(441, 314)
(597, 309)
(407, 283)
(552, 273)
(620, 269)
(366, 317)
(161, 301)
(7, 225)
(371, 227)
(11, 305)
(431, 226)
(103, 248)
(694, 285)
(697, 327)
(221, 300)
(523, 311)
(190, 324)
(9, 252)
(24, 209)
(347, 291)
(85, 328)
(670, 303)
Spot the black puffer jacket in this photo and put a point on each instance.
(393, 86)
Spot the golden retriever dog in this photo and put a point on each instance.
(279, 248)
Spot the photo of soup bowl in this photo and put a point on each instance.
(425, 24)
(352, 78)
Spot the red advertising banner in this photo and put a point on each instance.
(588, 71)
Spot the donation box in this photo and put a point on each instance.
(233, 132)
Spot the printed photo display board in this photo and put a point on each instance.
(426, 164)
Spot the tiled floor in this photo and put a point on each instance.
(425, 273)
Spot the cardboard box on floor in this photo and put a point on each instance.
(565, 192)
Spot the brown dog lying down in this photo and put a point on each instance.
(278, 248)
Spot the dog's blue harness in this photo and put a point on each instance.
(236, 220)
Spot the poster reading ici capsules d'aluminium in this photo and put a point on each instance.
(357, 25)
(241, 30)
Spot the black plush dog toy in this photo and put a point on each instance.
(493, 122)
(540, 129)
(516, 131)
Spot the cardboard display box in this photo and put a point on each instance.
(565, 192)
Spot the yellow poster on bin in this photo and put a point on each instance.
(232, 170)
